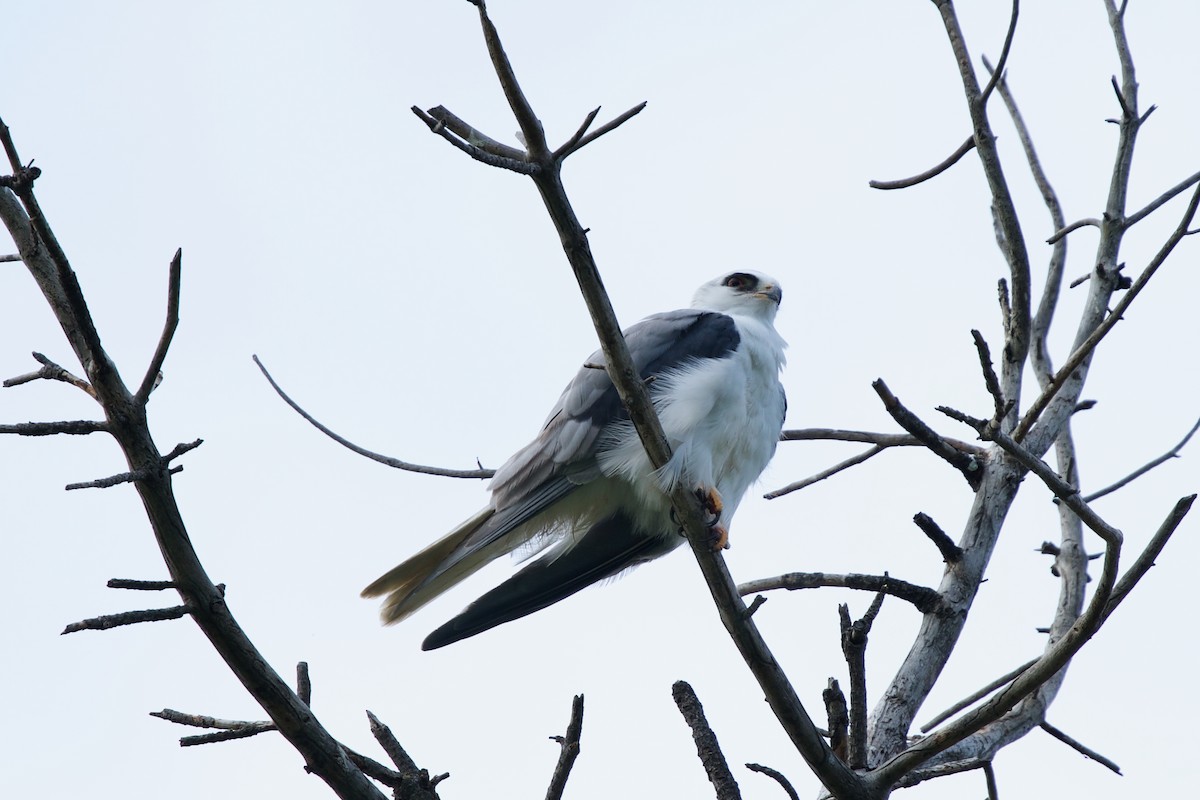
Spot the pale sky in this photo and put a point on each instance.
(419, 303)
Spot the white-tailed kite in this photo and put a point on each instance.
(584, 494)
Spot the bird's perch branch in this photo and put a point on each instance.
(635, 397)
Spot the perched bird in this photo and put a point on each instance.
(584, 495)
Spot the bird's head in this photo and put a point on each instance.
(749, 293)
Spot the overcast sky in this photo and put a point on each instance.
(419, 303)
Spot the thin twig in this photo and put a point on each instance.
(975, 697)
(871, 437)
(1140, 471)
(607, 127)
(568, 752)
(1002, 62)
(127, 618)
(1061, 233)
(1079, 748)
(707, 747)
(250, 729)
(117, 480)
(382, 459)
(989, 775)
(990, 380)
(778, 777)
(925, 599)
(827, 473)
(52, 372)
(1163, 198)
(154, 371)
(932, 172)
(1145, 559)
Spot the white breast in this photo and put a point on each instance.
(722, 418)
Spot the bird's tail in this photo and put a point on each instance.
(608, 548)
(427, 574)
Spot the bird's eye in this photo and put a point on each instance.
(740, 281)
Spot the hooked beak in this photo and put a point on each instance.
(771, 292)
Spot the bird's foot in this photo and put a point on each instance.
(718, 537)
(710, 501)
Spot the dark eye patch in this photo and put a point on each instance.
(741, 282)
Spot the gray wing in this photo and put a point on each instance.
(564, 454)
(560, 459)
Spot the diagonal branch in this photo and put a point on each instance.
(1142, 470)
(707, 747)
(969, 465)
(1084, 351)
(154, 371)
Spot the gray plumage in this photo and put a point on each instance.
(584, 492)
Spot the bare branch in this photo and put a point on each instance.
(52, 372)
(127, 618)
(73, 427)
(143, 586)
(569, 148)
(1086, 751)
(778, 778)
(388, 460)
(202, 721)
(521, 166)
(115, 480)
(1062, 232)
(1084, 350)
(998, 72)
(1140, 471)
(475, 137)
(569, 751)
(941, 771)
(827, 473)
(838, 714)
(249, 729)
(951, 552)
(968, 465)
(303, 683)
(975, 697)
(1163, 198)
(531, 126)
(932, 172)
(1145, 560)
(707, 747)
(989, 375)
(990, 776)
(780, 694)
(925, 599)
(154, 371)
(870, 437)
(854, 647)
